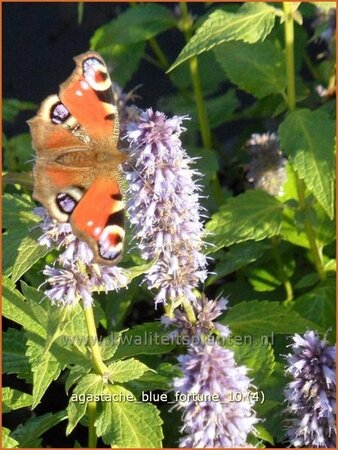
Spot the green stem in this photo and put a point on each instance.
(92, 437)
(196, 81)
(281, 271)
(291, 100)
(289, 54)
(161, 58)
(98, 365)
(316, 250)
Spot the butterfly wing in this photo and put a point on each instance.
(99, 220)
(75, 176)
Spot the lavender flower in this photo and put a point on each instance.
(267, 164)
(206, 312)
(164, 207)
(211, 370)
(78, 277)
(311, 395)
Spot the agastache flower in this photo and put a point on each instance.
(206, 312)
(267, 163)
(78, 277)
(164, 207)
(311, 396)
(211, 370)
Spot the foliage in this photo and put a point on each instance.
(272, 254)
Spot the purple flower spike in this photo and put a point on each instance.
(311, 396)
(164, 206)
(225, 420)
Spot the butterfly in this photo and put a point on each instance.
(77, 174)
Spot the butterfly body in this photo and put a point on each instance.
(76, 175)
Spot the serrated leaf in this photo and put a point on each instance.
(136, 271)
(145, 339)
(319, 305)
(251, 23)
(238, 256)
(18, 151)
(18, 212)
(134, 25)
(109, 345)
(7, 441)
(90, 384)
(264, 318)
(29, 252)
(15, 307)
(129, 369)
(45, 368)
(75, 373)
(254, 215)
(13, 399)
(258, 69)
(258, 357)
(26, 434)
(307, 137)
(129, 424)
(14, 359)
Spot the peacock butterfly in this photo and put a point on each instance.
(76, 175)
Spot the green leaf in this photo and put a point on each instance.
(307, 137)
(75, 373)
(256, 68)
(45, 367)
(90, 384)
(262, 319)
(238, 256)
(262, 433)
(27, 434)
(109, 345)
(136, 271)
(136, 24)
(14, 359)
(19, 222)
(29, 252)
(15, 307)
(145, 339)
(11, 108)
(13, 399)
(319, 305)
(129, 424)
(7, 441)
(18, 151)
(257, 356)
(251, 23)
(129, 369)
(253, 215)
(219, 109)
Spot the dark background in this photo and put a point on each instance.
(39, 43)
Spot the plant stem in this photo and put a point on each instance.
(316, 250)
(92, 438)
(196, 81)
(98, 365)
(161, 58)
(281, 271)
(291, 100)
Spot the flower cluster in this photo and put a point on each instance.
(164, 207)
(267, 164)
(78, 277)
(221, 422)
(206, 312)
(311, 395)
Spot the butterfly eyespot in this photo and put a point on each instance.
(59, 113)
(65, 202)
(111, 242)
